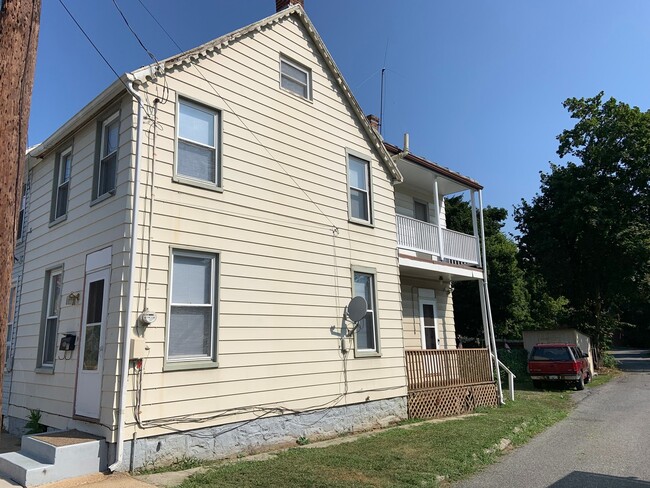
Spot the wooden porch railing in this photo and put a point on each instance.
(434, 368)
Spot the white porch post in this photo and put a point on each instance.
(485, 297)
(436, 206)
(475, 227)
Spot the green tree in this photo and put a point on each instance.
(508, 295)
(586, 234)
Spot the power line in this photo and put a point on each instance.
(92, 43)
(149, 53)
(160, 25)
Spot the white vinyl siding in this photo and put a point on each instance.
(359, 189)
(192, 314)
(10, 322)
(295, 78)
(198, 141)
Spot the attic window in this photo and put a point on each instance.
(295, 78)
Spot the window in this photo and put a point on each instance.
(10, 322)
(191, 334)
(198, 138)
(421, 210)
(366, 339)
(359, 182)
(62, 169)
(295, 78)
(53, 283)
(105, 178)
(21, 214)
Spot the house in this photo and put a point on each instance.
(260, 200)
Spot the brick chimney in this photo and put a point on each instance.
(374, 121)
(282, 4)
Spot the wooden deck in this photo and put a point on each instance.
(448, 382)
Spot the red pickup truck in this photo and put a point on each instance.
(559, 362)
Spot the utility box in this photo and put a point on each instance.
(569, 336)
(138, 348)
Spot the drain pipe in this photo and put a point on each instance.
(129, 296)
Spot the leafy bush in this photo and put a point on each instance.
(33, 424)
(609, 361)
(516, 360)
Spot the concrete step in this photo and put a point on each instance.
(53, 457)
(25, 470)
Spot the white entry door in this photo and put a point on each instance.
(91, 347)
(428, 329)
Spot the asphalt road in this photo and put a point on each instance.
(604, 442)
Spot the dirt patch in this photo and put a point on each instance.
(66, 438)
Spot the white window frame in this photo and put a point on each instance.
(48, 336)
(372, 308)
(58, 184)
(217, 148)
(194, 362)
(308, 85)
(367, 191)
(103, 157)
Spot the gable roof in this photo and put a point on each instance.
(151, 71)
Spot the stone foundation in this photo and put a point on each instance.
(261, 434)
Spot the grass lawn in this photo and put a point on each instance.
(424, 454)
(419, 456)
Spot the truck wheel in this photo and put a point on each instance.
(537, 384)
(580, 384)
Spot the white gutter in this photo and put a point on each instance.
(80, 118)
(129, 295)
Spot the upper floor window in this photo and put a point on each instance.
(62, 169)
(191, 334)
(421, 210)
(21, 214)
(105, 177)
(359, 189)
(295, 78)
(198, 142)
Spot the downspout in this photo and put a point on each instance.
(129, 296)
(487, 301)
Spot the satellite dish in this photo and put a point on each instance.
(357, 309)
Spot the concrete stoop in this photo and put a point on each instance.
(49, 457)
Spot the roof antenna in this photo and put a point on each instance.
(381, 100)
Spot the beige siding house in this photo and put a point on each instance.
(198, 230)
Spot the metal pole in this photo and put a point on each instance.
(436, 206)
(487, 300)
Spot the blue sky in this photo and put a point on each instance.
(478, 85)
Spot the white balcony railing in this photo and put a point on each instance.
(415, 235)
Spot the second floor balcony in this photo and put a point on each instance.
(444, 244)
